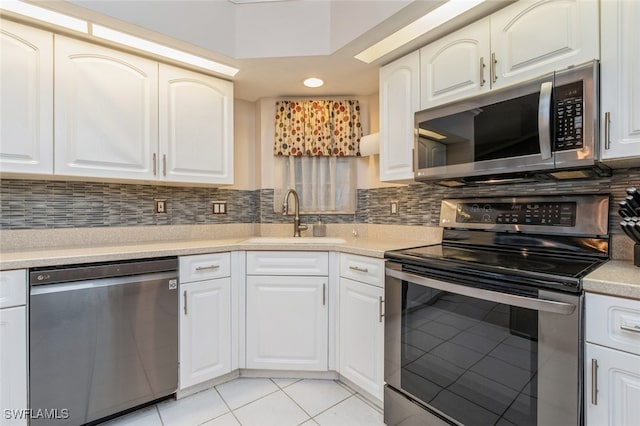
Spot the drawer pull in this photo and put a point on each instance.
(359, 269)
(631, 328)
(381, 311)
(205, 268)
(185, 301)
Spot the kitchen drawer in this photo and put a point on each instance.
(298, 263)
(361, 268)
(204, 267)
(613, 322)
(13, 288)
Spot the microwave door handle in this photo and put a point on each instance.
(544, 119)
(543, 305)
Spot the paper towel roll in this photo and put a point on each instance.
(370, 144)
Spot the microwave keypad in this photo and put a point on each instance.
(569, 117)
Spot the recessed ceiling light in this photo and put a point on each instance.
(428, 22)
(44, 15)
(313, 82)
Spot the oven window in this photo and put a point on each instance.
(472, 360)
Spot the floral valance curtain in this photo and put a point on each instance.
(318, 128)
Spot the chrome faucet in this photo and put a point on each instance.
(296, 219)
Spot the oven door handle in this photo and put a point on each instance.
(543, 305)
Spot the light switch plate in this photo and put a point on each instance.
(393, 210)
(161, 206)
(219, 207)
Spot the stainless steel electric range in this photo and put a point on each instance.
(486, 328)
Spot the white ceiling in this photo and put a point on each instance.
(275, 44)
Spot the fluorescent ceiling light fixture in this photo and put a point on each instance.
(313, 82)
(45, 15)
(431, 134)
(159, 49)
(428, 22)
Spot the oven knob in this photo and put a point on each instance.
(486, 218)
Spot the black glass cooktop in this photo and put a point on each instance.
(503, 261)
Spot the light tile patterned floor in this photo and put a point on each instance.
(262, 402)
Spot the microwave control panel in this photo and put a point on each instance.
(537, 214)
(569, 117)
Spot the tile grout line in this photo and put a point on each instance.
(159, 415)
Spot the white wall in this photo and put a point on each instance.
(245, 156)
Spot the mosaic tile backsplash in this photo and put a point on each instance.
(35, 204)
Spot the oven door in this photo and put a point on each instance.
(464, 355)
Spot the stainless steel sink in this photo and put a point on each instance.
(294, 240)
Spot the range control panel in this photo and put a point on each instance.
(540, 214)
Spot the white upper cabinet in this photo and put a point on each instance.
(520, 42)
(26, 96)
(531, 38)
(456, 66)
(620, 85)
(106, 112)
(196, 133)
(399, 100)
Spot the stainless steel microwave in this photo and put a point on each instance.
(545, 128)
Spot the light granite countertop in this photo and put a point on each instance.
(31, 258)
(615, 278)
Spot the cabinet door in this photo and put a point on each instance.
(455, 66)
(13, 365)
(533, 37)
(196, 127)
(362, 335)
(617, 380)
(205, 331)
(620, 85)
(106, 121)
(399, 100)
(287, 323)
(26, 99)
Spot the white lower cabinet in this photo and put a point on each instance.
(205, 321)
(361, 323)
(612, 361)
(287, 310)
(613, 387)
(13, 348)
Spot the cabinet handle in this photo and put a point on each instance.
(359, 269)
(494, 73)
(594, 381)
(607, 130)
(155, 164)
(482, 67)
(164, 164)
(380, 310)
(204, 268)
(631, 328)
(185, 301)
(324, 294)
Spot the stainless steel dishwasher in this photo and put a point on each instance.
(103, 338)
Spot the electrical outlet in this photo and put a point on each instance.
(393, 210)
(161, 206)
(219, 207)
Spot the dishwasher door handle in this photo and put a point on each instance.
(99, 282)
